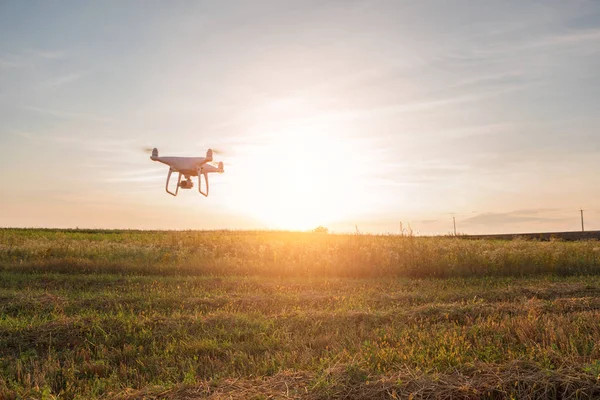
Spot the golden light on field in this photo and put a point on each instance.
(303, 178)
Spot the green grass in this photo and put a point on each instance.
(261, 314)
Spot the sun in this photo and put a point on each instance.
(301, 179)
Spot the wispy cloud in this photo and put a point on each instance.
(149, 176)
(384, 110)
(29, 57)
(570, 38)
(540, 215)
(61, 114)
(511, 53)
(30, 137)
(104, 148)
(8, 62)
(61, 80)
(46, 54)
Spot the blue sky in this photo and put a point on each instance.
(339, 113)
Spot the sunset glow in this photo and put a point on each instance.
(302, 179)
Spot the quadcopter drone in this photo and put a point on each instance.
(188, 167)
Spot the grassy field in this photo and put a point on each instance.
(168, 315)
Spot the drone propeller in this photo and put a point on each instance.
(219, 151)
(149, 150)
(225, 163)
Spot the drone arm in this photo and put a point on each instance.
(211, 168)
(205, 174)
(178, 182)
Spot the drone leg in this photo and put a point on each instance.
(200, 172)
(178, 182)
(167, 185)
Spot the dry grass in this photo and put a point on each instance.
(287, 254)
(517, 380)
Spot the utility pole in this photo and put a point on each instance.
(581, 211)
(454, 222)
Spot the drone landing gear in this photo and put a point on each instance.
(186, 184)
(201, 172)
(178, 182)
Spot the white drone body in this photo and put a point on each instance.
(188, 167)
